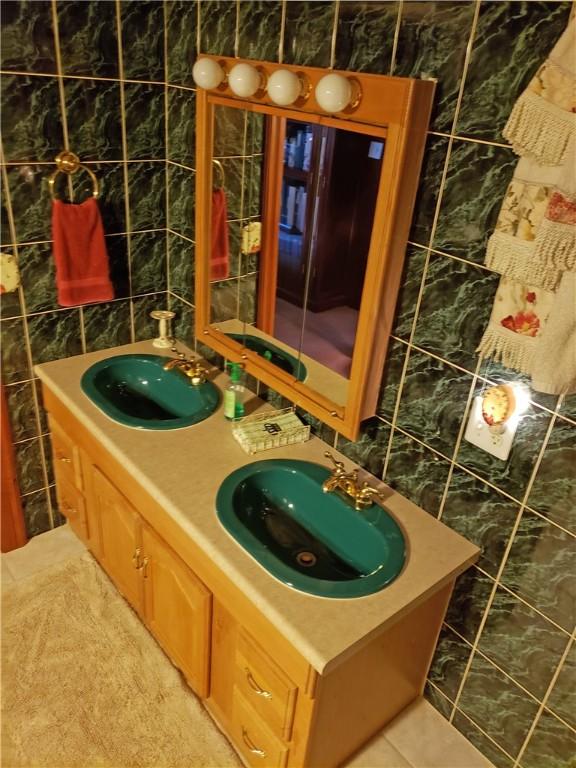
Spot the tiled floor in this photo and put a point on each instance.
(418, 738)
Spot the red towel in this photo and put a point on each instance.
(82, 274)
(219, 259)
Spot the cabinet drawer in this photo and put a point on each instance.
(254, 740)
(266, 688)
(66, 457)
(71, 505)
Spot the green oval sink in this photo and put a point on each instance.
(274, 354)
(136, 391)
(313, 541)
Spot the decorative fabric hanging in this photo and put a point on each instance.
(532, 327)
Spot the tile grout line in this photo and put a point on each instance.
(397, 27)
(167, 146)
(282, 32)
(334, 36)
(542, 706)
(120, 54)
(504, 561)
(237, 31)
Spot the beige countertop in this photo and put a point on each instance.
(183, 470)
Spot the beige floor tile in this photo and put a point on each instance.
(426, 739)
(378, 753)
(43, 551)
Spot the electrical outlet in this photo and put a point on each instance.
(495, 440)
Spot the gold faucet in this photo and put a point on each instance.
(347, 483)
(193, 369)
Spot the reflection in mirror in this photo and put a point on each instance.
(329, 189)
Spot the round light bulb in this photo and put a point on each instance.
(207, 73)
(244, 80)
(284, 87)
(333, 93)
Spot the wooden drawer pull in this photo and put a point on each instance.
(136, 558)
(69, 511)
(255, 687)
(250, 744)
(65, 459)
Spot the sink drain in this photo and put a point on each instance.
(306, 559)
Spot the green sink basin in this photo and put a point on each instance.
(135, 390)
(274, 354)
(313, 541)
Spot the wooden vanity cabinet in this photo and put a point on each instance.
(275, 707)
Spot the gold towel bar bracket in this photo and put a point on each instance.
(69, 163)
(220, 168)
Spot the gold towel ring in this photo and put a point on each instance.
(220, 167)
(69, 163)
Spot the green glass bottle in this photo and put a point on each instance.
(235, 393)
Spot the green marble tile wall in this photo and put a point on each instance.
(504, 671)
(90, 75)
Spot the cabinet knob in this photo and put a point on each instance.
(64, 459)
(68, 511)
(250, 744)
(255, 687)
(136, 557)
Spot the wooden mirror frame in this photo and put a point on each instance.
(402, 107)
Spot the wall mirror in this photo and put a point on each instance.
(319, 197)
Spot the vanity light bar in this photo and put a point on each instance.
(334, 92)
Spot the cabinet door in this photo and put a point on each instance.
(177, 610)
(121, 553)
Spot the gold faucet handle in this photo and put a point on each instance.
(196, 373)
(338, 465)
(366, 495)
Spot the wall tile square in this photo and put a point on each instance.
(184, 320)
(487, 691)
(370, 449)
(554, 490)
(433, 401)
(482, 515)
(512, 40)
(431, 172)
(224, 300)
(147, 194)
(259, 26)
(540, 569)
(522, 642)
(391, 378)
(29, 465)
(182, 122)
(88, 42)
(30, 118)
(365, 36)
(468, 603)
(182, 197)
(13, 350)
(21, 410)
(38, 277)
(552, 745)
(181, 267)
(148, 261)
(36, 513)
(417, 473)
(112, 199)
(308, 32)
(117, 247)
(449, 662)
(432, 43)
(94, 119)
(409, 290)
(562, 699)
(476, 181)
(438, 700)
(27, 41)
(181, 30)
(455, 309)
(54, 335)
(218, 27)
(107, 325)
(481, 742)
(30, 201)
(143, 39)
(145, 129)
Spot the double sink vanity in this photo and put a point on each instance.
(299, 666)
